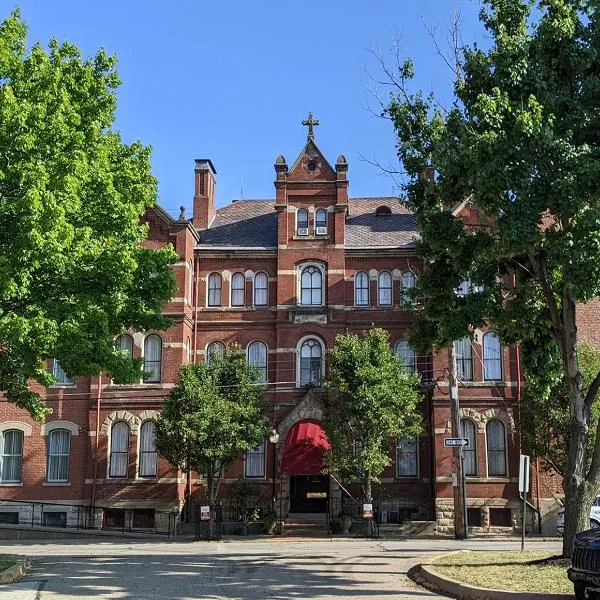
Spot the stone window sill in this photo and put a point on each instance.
(11, 484)
(56, 483)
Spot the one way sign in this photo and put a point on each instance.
(452, 442)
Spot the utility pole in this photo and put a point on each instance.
(458, 484)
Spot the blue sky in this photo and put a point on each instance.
(231, 81)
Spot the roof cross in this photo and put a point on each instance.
(310, 122)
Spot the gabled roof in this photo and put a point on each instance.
(253, 224)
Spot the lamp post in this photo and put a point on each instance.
(273, 438)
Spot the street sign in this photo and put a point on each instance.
(453, 442)
(524, 473)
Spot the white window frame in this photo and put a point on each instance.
(266, 289)
(399, 445)
(407, 353)
(259, 450)
(153, 379)
(216, 290)
(263, 369)
(462, 360)
(61, 379)
(409, 281)
(323, 224)
(236, 277)
(299, 229)
(468, 448)
(504, 450)
(360, 275)
(216, 344)
(496, 361)
(302, 341)
(56, 455)
(381, 289)
(111, 452)
(127, 346)
(141, 452)
(4, 456)
(301, 269)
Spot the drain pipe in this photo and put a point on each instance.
(96, 449)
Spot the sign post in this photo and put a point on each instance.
(523, 488)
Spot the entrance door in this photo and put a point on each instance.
(309, 493)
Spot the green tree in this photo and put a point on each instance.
(212, 416)
(544, 417)
(520, 143)
(73, 273)
(371, 401)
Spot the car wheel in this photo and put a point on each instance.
(579, 589)
(594, 524)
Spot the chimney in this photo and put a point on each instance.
(204, 193)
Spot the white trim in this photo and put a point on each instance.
(300, 269)
(220, 290)
(244, 303)
(310, 336)
(24, 427)
(49, 426)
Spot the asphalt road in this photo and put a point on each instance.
(248, 569)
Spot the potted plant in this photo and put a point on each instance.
(345, 521)
(269, 522)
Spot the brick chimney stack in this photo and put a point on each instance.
(204, 193)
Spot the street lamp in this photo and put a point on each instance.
(273, 438)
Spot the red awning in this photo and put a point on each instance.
(304, 447)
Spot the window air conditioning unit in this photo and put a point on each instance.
(321, 230)
(302, 230)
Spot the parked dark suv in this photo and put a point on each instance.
(584, 571)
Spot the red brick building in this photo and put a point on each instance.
(281, 277)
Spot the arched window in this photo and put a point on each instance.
(12, 456)
(408, 282)
(261, 289)
(384, 288)
(302, 222)
(60, 377)
(238, 287)
(407, 353)
(311, 286)
(119, 450)
(59, 449)
(148, 449)
(257, 356)
(124, 343)
(361, 289)
(464, 359)
(311, 363)
(152, 358)
(496, 448)
(468, 431)
(214, 289)
(492, 357)
(321, 221)
(407, 459)
(214, 348)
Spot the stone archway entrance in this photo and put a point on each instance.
(302, 462)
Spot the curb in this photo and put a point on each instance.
(17, 571)
(463, 590)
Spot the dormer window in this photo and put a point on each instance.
(383, 211)
(302, 222)
(321, 221)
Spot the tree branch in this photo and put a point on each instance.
(592, 392)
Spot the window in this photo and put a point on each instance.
(311, 362)
(500, 517)
(9, 518)
(119, 450)
(261, 289)
(407, 457)
(321, 221)
(152, 358)
(302, 222)
(143, 518)
(407, 354)
(214, 348)
(54, 519)
(257, 356)
(496, 448)
(124, 343)
(214, 289)
(384, 288)
(464, 359)
(474, 517)
(59, 449)
(12, 456)
(238, 285)
(60, 377)
(467, 287)
(468, 431)
(311, 286)
(255, 462)
(361, 289)
(492, 357)
(408, 282)
(148, 449)
(114, 518)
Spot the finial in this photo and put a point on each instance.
(310, 122)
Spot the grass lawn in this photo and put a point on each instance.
(515, 571)
(8, 560)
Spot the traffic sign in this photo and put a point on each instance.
(453, 442)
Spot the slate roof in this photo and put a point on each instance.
(253, 224)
